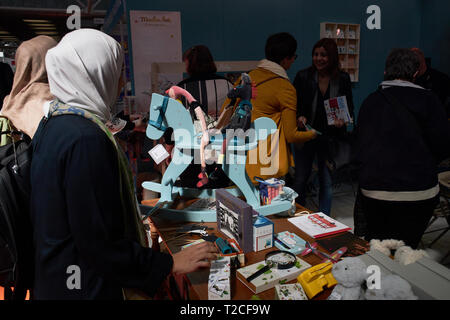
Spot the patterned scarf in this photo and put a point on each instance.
(134, 228)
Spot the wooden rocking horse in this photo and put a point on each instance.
(166, 112)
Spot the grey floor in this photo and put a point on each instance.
(342, 210)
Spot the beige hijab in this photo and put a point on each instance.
(30, 88)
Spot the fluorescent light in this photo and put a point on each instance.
(41, 25)
(36, 21)
(43, 28)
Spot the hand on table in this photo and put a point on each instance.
(194, 257)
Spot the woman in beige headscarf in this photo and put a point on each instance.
(24, 106)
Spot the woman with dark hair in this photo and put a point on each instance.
(314, 85)
(207, 87)
(402, 134)
(199, 60)
(210, 92)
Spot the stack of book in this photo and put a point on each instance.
(318, 225)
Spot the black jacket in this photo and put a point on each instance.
(306, 87)
(397, 151)
(77, 218)
(439, 83)
(6, 81)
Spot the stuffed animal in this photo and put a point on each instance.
(392, 287)
(386, 246)
(406, 255)
(403, 254)
(350, 274)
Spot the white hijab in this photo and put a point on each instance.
(84, 70)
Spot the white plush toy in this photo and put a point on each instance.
(392, 287)
(403, 254)
(386, 246)
(350, 274)
(406, 255)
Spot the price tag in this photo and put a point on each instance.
(158, 153)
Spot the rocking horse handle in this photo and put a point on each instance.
(174, 92)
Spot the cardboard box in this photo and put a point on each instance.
(293, 291)
(262, 233)
(272, 277)
(235, 219)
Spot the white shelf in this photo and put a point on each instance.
(347, 37)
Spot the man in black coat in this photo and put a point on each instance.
(433, 80)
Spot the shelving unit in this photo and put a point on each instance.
(347, 37)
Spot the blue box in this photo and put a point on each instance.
(263, 230)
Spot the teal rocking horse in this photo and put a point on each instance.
(166, 112)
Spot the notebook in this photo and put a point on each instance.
(318, 225)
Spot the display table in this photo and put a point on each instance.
(198, 281)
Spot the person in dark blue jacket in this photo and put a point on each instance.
(402, 134)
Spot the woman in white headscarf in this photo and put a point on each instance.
(88, 235)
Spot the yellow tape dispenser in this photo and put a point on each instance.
(314, 279)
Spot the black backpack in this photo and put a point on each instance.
(16, 233)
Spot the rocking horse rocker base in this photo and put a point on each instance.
(166, 112)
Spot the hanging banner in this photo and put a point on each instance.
(155, 37)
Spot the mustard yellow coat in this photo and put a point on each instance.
(275, 99)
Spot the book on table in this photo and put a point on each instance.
(289, 241)
(318, 225)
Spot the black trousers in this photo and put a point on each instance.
(399, 220)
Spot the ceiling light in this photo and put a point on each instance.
(43, 28)
(41, 25)
(36, 21)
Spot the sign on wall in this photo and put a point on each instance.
(156, 37)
